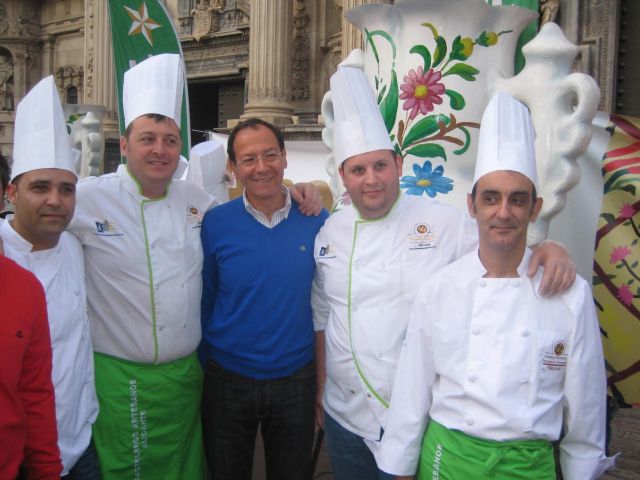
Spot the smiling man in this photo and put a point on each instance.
(497, 371)
(140, 231)
(43, 192)
(258, 338)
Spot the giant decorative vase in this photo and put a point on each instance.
(434, 65)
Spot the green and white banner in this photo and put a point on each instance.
(140, 29)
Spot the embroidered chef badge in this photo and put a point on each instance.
(107, 228)
(555, 359)
(327, 251)
(423, 237)
(194, 216)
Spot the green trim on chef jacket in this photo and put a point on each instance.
(452, 455)
(148, 257)
(359, 369)
(149, 421)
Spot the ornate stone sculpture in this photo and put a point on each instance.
(205, 19)
(301, 54)
(6, 83)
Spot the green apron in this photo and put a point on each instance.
(452, 455)
(149, 422)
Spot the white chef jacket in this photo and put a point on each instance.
(367, 273)
(143, 260)
(61, 272)
(489, 357)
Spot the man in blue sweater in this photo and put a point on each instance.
(258, 336)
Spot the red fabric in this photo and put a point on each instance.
(27, 406)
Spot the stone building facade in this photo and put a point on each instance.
(266, 58)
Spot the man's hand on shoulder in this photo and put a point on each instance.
(559, 269)
(308, 198)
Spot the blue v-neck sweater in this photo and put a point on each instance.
(256, 308)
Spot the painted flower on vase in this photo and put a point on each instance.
(619, 253)
(421, 90)
(427, 180)
(625, 295)
(627, 210)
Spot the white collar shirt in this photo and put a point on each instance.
(490, 358)
(60, 270)
(277, 216)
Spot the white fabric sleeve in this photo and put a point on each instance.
(582, 450)
(399, 450)
(319, 303)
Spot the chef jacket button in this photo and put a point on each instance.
(475, 331)
(380, 355)
(182, 285)
(368, 395)
(353, 392)
(515, 283)
(472, 378)
(468, 421)
(525, 333)
(178, 244)
(160, 328)
(482, 283)
(76, 292)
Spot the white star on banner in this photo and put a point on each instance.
(141, 23)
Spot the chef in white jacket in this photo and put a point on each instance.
(370, 257)
(43, 192)
(492, 367)
(140, 231)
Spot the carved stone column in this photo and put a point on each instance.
(593, 25)
(351, 36)
(100, 86)
(270, 61)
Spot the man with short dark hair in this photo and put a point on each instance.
(497, 371)
(43, 192)
(258, 337)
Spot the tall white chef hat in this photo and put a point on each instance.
(207, 168)
(40, 138)
(358, 126)
(507, 139)
(154, 85)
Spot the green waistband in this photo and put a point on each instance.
(458, 436)
(100, 357)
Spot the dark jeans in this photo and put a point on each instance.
(351, 459)
(233, 406)
(87, 466)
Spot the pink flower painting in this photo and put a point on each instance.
(420, 91)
